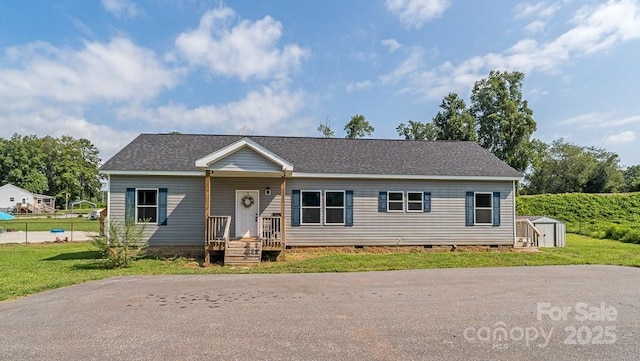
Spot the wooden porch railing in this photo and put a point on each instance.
(218, 230)
(526, 233)
(270, 231)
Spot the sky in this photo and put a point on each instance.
(107, 70)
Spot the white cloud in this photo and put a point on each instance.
(55, 122)
(623, 137)
(122, 8)
(364, 56)
(51, 90)
(537, 93)
(535, 27)
(599, 119)
(410, 65)
(46, 90)
(82, 27)
(268, 110)
(415, 13)
(542, 9)
(358, 86)
(245, 50)
(585, 118)
(391, 44)
(99, 72)
(621, 121)
(596, 28)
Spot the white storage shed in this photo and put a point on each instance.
(552, 231)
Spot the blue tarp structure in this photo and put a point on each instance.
(6, 216)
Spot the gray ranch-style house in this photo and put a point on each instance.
(244, 194)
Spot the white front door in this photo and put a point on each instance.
(247, 212)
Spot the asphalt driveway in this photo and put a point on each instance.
(565, 312)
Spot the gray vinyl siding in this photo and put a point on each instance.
(185, 207)
(246, 160)
(444, 225)
(223, 193)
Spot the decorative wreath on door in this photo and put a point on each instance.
(247, 201)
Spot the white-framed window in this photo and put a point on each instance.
(146, 205)
(395, 201)
(415, 201)
(310, 207)
(483, 208)
(12, 199)
(334, 202)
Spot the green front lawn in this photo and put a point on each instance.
(35, 268)
(46, 224)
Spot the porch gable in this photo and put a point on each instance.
(244, 155)
(245, 160)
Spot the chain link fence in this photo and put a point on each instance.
(43, 231)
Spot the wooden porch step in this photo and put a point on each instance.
(243, 252)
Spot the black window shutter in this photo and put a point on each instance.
(348, 210)
(382, 201)
(130, 205)
(295, 208)
(469, 209)
(496, 208)
(162, 206)
(426, 202)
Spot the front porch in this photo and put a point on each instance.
(244, 217)
(244, 212)
(242, 250)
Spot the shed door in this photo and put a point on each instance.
(547, 236)
(247, 208)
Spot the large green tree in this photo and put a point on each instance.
(566, 167)
(606, 176)
(417, 131)
(358, 127)
(65, 167)
(22, 163)
(632, 178)
(454, 121)
(73, 168)
(505, 121)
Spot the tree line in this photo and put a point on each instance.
(500, 120)
(565, 167)
(65, 167)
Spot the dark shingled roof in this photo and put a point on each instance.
(178, 152)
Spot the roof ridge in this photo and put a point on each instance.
(308, 137)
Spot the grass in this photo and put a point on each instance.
(35, 268)
(77, 210)
(612, 216)
(46, 224)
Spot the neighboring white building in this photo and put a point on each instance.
(16, 197)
